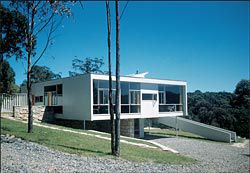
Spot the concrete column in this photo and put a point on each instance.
(141, 128)
(127, 127)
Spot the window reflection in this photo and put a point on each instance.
(130, 97)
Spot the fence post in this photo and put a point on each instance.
(14, 111)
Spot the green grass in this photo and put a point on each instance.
(88, 145)
(101, 134)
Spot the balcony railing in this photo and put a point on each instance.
(170, 107)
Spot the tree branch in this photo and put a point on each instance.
(48, 21)
(46, 45)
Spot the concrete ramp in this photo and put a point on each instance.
(207, 131)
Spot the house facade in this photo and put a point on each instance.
(85, 98)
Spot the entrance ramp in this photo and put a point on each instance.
(204, 130)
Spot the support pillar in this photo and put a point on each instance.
(84, 125)
(141, 128)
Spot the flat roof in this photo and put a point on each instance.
(134, 79)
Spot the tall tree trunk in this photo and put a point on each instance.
(117, 104)
(1, 61)
(111, 108)
(30, 51)
(29, 96)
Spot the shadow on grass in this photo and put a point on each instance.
(152, 136)
(100, 153)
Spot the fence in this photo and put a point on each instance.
(8, 101)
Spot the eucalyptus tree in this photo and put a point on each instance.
(43, 18)
(118, 85)
(111, 107)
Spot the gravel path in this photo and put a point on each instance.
(22, 156)
(214, 157)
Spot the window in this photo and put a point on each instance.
(173, 94)
(38, 99)
(104, 96)
(103, 84)
(161, 97)
(124, 93)
(95, 91)
(59, 89)
(134, 86)
(130, 97)
(124, 108)
(50, 88)
(149, 96)
(100, 109)
(134, 97)
(170, 98)
(135, 102)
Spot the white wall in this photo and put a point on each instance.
(77, 98)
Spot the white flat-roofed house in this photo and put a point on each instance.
(85, 98)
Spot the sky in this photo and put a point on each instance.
(203, 43)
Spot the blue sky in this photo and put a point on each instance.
(204, 43)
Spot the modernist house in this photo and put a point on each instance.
(85, 98)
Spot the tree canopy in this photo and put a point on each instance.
(13, 32)
(41, 74)
(7, 78)
(88, 65)
(222, 109)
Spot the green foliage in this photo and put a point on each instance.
(88, 65)
(243, 88)
(7, 78)
(88, 145)
(41, 74)
(13, 27)
(222, 109)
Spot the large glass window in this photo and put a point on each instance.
(149, 96)
(130, 97)
(173, 94)
(134, 97)
(134, 86)
(95, 91)
(161, 97)
(103, 96)
(124, 93)
(170, 98)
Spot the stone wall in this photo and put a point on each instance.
(127, 127)
(22, 112)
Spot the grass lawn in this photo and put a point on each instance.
(88, 145)
(101, 134)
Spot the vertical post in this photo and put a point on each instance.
(84, 125)
(14, 111)
(141, 127)
(149, 124)
(176, 126)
